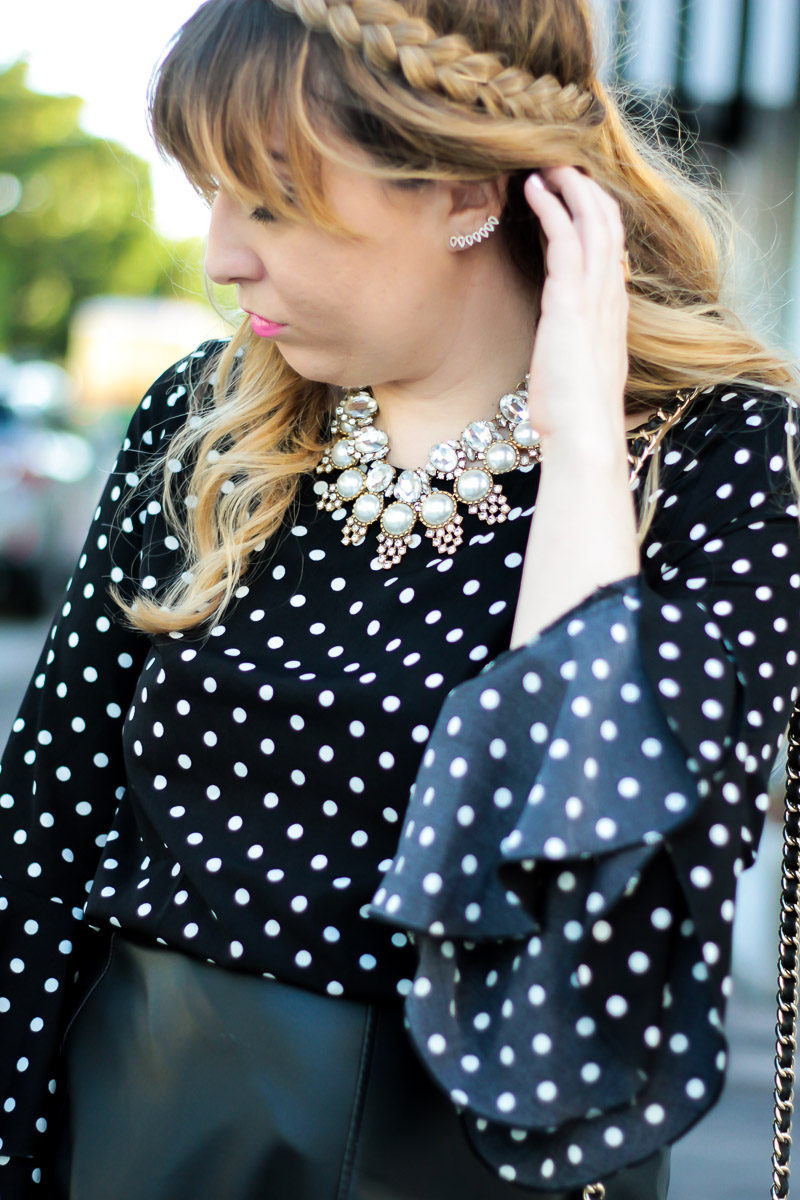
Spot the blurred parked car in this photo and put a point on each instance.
(46, 481)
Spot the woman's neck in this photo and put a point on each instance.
(487, 355)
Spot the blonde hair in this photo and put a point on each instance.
(432, 90)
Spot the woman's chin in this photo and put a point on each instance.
(336, 370)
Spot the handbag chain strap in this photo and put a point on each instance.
(644, 441)
(786, 1026)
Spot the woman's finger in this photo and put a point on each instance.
(617, 228)
(581, 196)
(583, 192)
(597, 222)
(565, 259)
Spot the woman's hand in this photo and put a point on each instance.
(583, 533)
(580, 357)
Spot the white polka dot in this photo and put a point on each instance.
(700, 876)
(661, 918)
(459, 768)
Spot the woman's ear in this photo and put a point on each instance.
(474, 204)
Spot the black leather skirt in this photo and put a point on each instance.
(189, 1082)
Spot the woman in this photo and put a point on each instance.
(354, 551)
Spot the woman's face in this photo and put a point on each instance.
(383, 307)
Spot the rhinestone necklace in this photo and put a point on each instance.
(395, 501)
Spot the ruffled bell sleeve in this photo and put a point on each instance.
(584, 807)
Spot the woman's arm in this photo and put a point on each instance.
(62, 776)
(583, 533)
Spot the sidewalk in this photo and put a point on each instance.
(727, 1156)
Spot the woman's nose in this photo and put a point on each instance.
(230, 257)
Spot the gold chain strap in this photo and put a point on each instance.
(644, 441)
(786, 1027)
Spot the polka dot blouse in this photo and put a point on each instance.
(351, 784)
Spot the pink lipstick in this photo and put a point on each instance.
(265, 329)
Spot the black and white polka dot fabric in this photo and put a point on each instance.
(582, 805)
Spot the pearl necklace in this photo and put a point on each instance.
(397, 501)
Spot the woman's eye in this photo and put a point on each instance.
(262, 214)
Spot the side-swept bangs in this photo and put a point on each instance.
(231, 104)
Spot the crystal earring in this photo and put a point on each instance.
(461, 242)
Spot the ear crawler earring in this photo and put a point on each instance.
(461, 242)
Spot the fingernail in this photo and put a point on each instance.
(536, 181)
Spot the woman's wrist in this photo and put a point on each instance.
(583, 534)
(578, 451)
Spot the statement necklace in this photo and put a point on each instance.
(396, 501)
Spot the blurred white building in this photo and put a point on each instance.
(731, 68)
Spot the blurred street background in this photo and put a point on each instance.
(101, 287)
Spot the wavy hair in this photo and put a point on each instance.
(432, 90)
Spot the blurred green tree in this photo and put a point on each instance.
(76, 220)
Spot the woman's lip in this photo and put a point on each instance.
(263, 328)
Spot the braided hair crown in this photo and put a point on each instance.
(392, 41)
